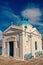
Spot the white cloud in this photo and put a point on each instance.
(36, 22)
(31, 13)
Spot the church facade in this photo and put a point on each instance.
(21, 40)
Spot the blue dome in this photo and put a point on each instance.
(24, 22)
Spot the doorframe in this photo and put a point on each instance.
(10, 48)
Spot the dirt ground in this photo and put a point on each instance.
(12, 61)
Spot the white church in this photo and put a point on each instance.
(22, 41)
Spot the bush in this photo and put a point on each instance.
(38, 53)
(27, 56)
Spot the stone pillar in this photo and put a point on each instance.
(21, 47)
(8, 48)
(15, 42)
(3, 48)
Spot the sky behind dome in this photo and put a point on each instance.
(15, 10)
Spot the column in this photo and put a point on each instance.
(3, 48)
(15, 42)
(21, 47)
(8, 50)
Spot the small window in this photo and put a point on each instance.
(29, 36)
(35, 45)
(42, 46)
(25, 27)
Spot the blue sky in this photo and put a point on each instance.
(15, 10)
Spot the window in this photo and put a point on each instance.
(29, 36)
(35, 45)
(25, 27)
(42, 46)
